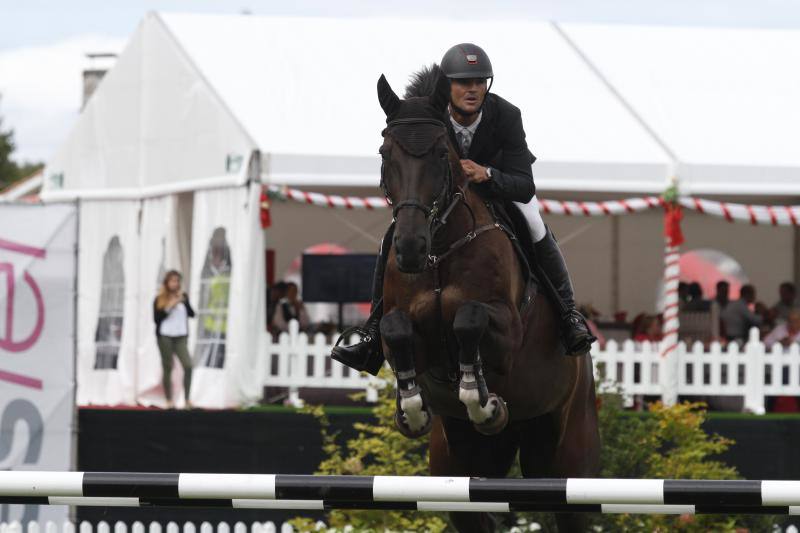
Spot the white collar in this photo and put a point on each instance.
(471, 128)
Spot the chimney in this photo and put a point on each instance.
(97, 66)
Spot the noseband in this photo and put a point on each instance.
(432, 210)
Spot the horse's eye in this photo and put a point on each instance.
(444, 154)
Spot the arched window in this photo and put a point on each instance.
(108, 334)
(215, 282)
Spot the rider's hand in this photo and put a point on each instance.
(474, 172)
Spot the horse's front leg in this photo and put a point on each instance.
(488, 412)
(413, 418)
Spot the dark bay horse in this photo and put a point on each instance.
(463, 335)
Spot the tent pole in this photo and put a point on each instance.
(615, 264)
(72, 513)
(797, 255)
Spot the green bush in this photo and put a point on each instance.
(665, 443)
(378, 449)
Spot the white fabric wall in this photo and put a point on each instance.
(99, 222)
(235, 210)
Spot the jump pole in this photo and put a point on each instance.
(397, 490)
(328, 505)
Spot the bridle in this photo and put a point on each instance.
(450, 195)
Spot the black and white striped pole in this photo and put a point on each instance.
(270, 491)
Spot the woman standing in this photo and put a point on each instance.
(171, 312)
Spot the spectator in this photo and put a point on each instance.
(683, 293)
(171, 312)
(787, 303)
(722, 298)
(648, 329)
(696, 301)
(737, 316)
(786, 333)
(290, 307)
(274, 295)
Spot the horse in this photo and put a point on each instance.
(466, 337)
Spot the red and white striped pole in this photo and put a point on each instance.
(672, 278)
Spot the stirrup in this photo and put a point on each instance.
(362, 332)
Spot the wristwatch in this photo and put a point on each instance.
(489, 172)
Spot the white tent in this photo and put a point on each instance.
(191, 90)
(198, 109)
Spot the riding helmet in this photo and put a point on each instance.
(466, 60)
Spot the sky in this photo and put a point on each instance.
(43, 43)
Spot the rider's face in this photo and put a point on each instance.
(468, 94)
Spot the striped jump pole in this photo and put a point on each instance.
(421, 493)
(468, 507)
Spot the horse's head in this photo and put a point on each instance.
(415, 174)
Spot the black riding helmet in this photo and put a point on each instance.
(465, 61)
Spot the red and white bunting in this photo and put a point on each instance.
(330, 200)
(593, 209)
(771, 215)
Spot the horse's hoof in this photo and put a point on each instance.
(499, 419)
(406, 431)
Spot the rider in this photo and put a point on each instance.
(494, 156)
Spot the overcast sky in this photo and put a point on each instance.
(43, 43)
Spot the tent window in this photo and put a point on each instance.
(215, 282)
(108, 335)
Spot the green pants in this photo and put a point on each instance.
(177, 346)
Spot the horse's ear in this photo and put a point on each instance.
(441, 93)
(387, 97)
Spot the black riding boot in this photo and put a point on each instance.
(574, 332)
(367, 355)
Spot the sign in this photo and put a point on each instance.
(37, 351)
(338, 278)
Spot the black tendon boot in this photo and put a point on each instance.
(367, 355)
(574, 332)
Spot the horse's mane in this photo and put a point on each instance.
(422, 82)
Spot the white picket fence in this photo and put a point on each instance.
(222, 527)
(153, 527)
(297, 361)
(752, 371)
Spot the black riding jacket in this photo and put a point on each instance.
(499, 143)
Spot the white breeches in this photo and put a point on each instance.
(534, 218)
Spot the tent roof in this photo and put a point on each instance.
(604, 107)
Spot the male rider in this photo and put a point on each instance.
(487, 130)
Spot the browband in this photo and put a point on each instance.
(403, 121)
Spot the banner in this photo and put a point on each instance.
(37, 345)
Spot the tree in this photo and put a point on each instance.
(9, 170)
